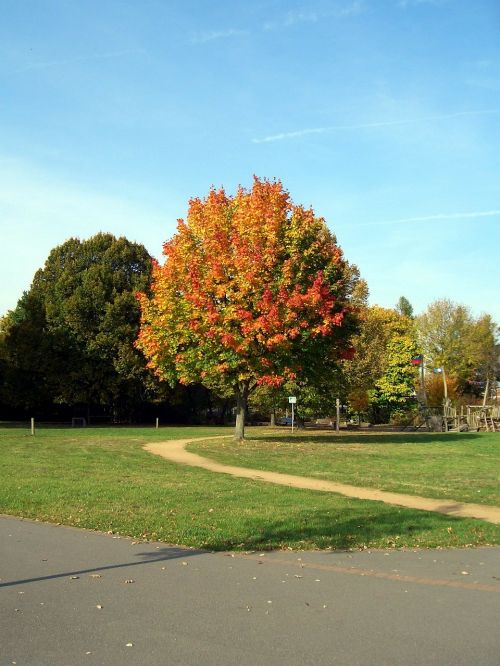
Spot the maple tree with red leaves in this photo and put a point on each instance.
(254, 290)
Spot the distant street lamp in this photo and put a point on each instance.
(440, 371)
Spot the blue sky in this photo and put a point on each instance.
(383, 115)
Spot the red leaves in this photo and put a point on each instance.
(271, 380)
(245, 279)
(228, 340)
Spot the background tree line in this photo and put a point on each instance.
(68, 348)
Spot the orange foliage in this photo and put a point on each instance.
(250, 284)
(434, 388)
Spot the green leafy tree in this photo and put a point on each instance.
(450, 337)
(71, 336)
(254, 291)
(381, 377)
(485, 348)
(29, 356)
(394, 391)
(404, 307)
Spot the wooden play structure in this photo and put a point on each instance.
(472, 417)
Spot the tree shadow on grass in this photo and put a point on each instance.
(362, 438)
(382, 529)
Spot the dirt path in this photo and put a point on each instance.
(175, 451)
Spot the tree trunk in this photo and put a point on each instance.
(273, 418)
(241, 410)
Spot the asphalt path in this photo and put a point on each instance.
(70, 596)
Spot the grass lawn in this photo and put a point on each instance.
(101, 478)
(460, 466)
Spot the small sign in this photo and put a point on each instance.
(292, 400)
(437, 371)
(417, 360)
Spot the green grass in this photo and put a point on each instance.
(103, 479)
(463, 467)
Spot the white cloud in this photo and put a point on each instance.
(204, 37)
(403, 4)
(83, 58)
(299, 16)
(353, 9)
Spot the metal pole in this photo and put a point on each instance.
(446, 405)
(337, 422)
(32, 426)
(292, 417)
(157, 422)
(422, 381)
(486, 391)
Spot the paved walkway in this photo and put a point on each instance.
(175, 451)
(72, 596)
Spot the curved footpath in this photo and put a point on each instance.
(174, 450)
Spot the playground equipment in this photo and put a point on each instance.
(471, 417)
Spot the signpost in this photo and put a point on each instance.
(293, 401)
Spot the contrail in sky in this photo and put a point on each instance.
(386, 123)
(428, 218)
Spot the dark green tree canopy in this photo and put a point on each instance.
(79, 320)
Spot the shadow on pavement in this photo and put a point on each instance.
(161, 556)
